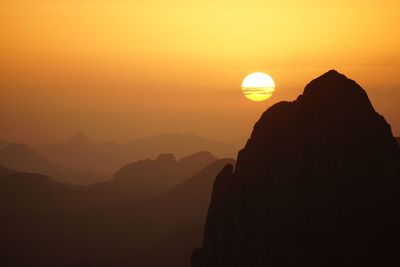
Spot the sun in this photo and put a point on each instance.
(258, 86)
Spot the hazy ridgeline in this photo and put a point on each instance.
(80, 161)
(128, 219)
(80, 203)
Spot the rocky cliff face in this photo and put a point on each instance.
(317, 184)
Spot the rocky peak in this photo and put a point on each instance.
(317, 184)
(334, 91)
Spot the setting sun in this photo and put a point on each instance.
(258, 86)
(199, 133)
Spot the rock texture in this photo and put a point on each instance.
(317, 184)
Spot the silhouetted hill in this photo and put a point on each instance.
(79, 140)
(165, 170)
(398, 140)
(149, 180)
(317, 184)
(143, 179)
(150, 222)
(109, 157)
(186, 203)
(45, 220)
(29, 192)
(21, 157)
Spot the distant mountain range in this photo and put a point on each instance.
(81, 153)
(59, 225)
(165, 170)
(135, 182)
(143, 179)
(21, 157)
(79, 158)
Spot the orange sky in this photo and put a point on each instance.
(123, 69)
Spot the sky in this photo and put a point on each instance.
(118, 70)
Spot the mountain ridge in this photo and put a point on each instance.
(21, 157)
(74, 234)
(110, 156)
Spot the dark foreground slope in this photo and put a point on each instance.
(317, 184)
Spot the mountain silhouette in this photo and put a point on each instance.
(133, 187)
(110, 156)
(317, 184)
(182, 212)
(21, 157)
(43, 216)
(79, 139)
(165, 170)
(152, 222)
(23, 193)
(144, 179)
(186, 202)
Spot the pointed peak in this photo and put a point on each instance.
(79, 138)
(330, 79)
(333, 73)
(336, 90)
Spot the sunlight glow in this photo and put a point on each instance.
(258, 86)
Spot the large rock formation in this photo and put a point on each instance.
(317, 184)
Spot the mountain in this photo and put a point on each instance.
(317, 184)
(79, 139)
(398, 140)
(108, 157)
(165, 170)
(135, 183)
(144, 179)
(186, 203)
(21, 157)
(43, 217)
(147, 226)
(29, 192)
